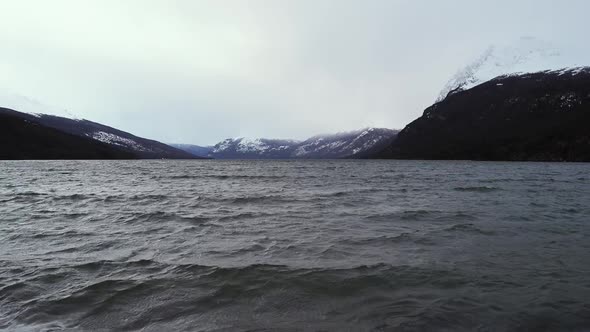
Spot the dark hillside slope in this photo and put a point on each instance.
(24, 139)
(117, 139)
(533, 117)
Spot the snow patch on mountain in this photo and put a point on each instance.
(222, 146)
(113, 139)
(251, 145)
(246, 145)
(351, 143)
(527, 55)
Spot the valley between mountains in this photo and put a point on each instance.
(524, 102)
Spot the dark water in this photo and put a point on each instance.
(310, 246)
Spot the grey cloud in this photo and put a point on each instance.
(200, 71)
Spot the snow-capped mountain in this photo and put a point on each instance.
(541, 116)
(355, 144)
(527, 55)
(123, 141)
(250, 148)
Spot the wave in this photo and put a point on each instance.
(407, 215)
(73, 197)
(481, 189)
(469, 228)
(224, 177)
(258, 199)
(134, 295)
(149, 197)
(160, 217)
(379, 240)
(243, 216)
(31, 193)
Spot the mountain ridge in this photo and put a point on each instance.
(352, 144)
(526, 55)
(134, 147)
(22, 138)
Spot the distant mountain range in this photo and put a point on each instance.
(527, 101)
(40, 136)
(354, 144)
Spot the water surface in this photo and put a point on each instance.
(294, 245)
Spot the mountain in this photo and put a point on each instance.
(247, 148)
(526, 55)
(130, 145)
(22, 138)
(541, 116)
(355, 144)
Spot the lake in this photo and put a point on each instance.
(329, 245)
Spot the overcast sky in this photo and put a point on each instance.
(191, 71)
